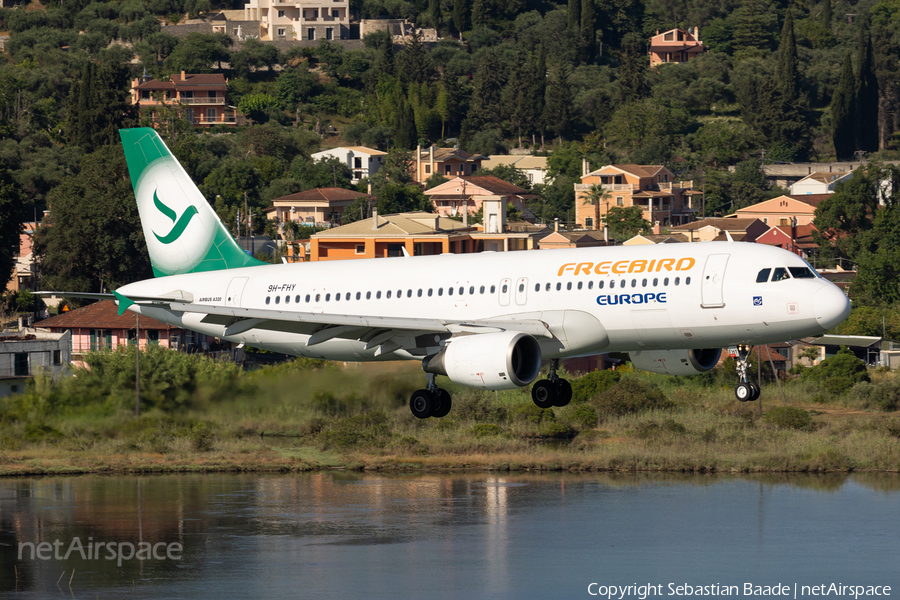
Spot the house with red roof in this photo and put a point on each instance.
(452, 197)
(449, 162)
(793, 238)
(199, 98)
(99, 325)
(321, 206)
(653, 188)
(675, 46)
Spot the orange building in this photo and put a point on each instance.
(451, 197)
(783, 210)
(320, 206)
(651, 187)
(675, 46)
(419, 234)
(201, 98)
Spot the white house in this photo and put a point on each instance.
(534, 167)
(300, 19)
(364, 162)
(818, 183)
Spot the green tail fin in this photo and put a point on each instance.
(183, 232)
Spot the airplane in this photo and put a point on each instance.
(485, 320)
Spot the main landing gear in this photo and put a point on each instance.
(430, 402)
(552, 391)
(746, 390)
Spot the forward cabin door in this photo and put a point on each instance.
(711, 287)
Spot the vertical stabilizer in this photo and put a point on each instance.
(183, 232)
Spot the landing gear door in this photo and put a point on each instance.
(505, 284)
(713, 280)
(235, 289)
(521, 291)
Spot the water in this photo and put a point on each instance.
(355, 535)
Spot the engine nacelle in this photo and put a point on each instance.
(490, 361)
(677, 362)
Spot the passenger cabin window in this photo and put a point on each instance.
(378, 295)
(493, 288)
(763, 276)
(599, 285)
(537, 287)
(780, 274)
(505, 288)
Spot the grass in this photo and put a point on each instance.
(307, 416)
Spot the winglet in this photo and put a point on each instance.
(124, 303)
(728, 235)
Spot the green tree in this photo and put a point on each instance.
(414, 62)
(754, 24)
(395, 197)
(198, 52)
(595, 196)
(487, 92)
(587, 35)
(787, 72)
(573, 16)
(406, 125)
(826, 14)
(255, 105)
(295, 86)
(95, 240)
(843, 112)
(479, 14)
(253, 56)
(632, 72)
(99, 106)
(557, 115)
(13, 212)
(626, 222)
(460, 16)
(866, 95)
(434, 14)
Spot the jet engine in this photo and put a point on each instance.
(677, 362)
(490, 361)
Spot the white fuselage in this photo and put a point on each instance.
(626, 298)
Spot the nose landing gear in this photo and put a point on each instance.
(746, 390)
(430, 402)
(552, 391)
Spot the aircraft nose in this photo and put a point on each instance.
(831, 306)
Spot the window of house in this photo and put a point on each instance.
(447, 169)
(281, 29)
(620, 201)
(329, 34)
(281, 16)
(360, 248)
(427, 168)
(669, 37)
(21, 364)
(473, 169)
(589, 222)
(57, 357)
(211, 115)
(335, 13)
(310, 33)
(145, 94)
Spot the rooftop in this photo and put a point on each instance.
(402, 224)
(100, 315)
(322, 195)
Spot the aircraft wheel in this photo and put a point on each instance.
(422, 404)
(756, 392)
(544, 393)
(564, 393)
(743, 392)
(442, 404)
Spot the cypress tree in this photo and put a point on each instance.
(558, 112)
(866, 95)
(434, 13)
(826, 14)
(406, 124)
(460, 11)
(479, 14)
(588, 34)
(787, 73)
(632, 68)
(487, 92)
(573, 14)
(842, 112)
(539, 83)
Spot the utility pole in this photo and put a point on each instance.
(137, 367)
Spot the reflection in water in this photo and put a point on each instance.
(447, 536)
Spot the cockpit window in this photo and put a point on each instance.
(780, 273)
(763, 276)
(801, 273)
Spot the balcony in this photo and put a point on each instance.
(203, 100)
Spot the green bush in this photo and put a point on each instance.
(202, 437)
(630, 396)
(837, 385)
(477, 406)
(842, 364)
(788, 417)
(584, 416)
(486, 430)
(367, 429)
(530, 413)
(557, 430)
(586, 387)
